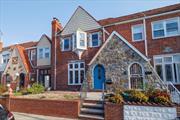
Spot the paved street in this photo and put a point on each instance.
(24, 116)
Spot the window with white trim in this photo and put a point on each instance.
(166, 28)
(138, 32)
(76, 73)
(33, 54)
(168, 67)
(80, 40)
(94, 39)
(44, 53)
(5, 58)
(136, 76)
(47, 52)
(66, 44)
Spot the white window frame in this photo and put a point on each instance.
(63, 49)
(47, 52)
(44, 52)
(91, 42)
(75, 69)
(5, 57)
(132, 29)
(164, 21)
(33, 52)
(78, 40)
(163, 66)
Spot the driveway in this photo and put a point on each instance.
(24, 116)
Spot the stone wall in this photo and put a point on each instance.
(116, 57)
(148, 112)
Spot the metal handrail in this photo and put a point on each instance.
(174, 91)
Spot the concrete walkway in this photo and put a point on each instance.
(25, 116)
(94, 96)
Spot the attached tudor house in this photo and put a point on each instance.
(26, 63)
(120, 49)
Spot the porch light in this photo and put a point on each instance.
(109, 82)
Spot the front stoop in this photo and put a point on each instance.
(92, 110)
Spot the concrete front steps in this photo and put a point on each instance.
(92, 110)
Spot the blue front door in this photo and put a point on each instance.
(99, 77)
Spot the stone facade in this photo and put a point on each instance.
(149, 113)
(116, 57)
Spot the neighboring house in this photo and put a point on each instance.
(26, 63)
(117, 48)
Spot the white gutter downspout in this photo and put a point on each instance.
(145, 35)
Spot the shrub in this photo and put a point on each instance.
(161, 100)
(36, 89)
(161, 95)
(117, 98)
(3, 89)
(135, 96)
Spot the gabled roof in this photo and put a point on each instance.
(80, 19)
(24, 58)
(124, 40)
(25, 45)
(107, 21)
(44, 35)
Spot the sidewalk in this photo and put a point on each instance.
(25, 116)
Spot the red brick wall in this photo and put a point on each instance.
(113, 111)
(57, 108)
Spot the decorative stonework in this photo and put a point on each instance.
(132, 112)
(116, 57)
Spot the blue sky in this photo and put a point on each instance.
(27, 20)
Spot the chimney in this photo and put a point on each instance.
(56, 28)
(1, 45)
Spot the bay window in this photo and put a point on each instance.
(80, 40)
(44, 53)
(76, 73)
(47, 52)
(41, 53)
(168, 67)
(166, 28)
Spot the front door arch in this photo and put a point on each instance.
(99, 77)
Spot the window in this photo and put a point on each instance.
(5, 58)
(33, 54)
(138, 32)
(95, 39)
(80, 40)
(47, 52)
(76, 73)
(44, 53)
(166, 28)
(136, 76)
(168, 67)
(66, 44)
(41, 53)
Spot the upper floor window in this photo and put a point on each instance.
(94, 39)
(44, 53)
(33, 54)
(47, 52)
(138, 32)
(66, 44)
(80, 40)
(41, 53)
(5, 58)
(76, 73)
(166, 28)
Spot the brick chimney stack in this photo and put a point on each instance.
(56, 28)
(1, 45)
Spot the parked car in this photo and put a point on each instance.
(5, 114)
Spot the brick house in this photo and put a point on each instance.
(147, 37)
(128, 50)
(26, 63)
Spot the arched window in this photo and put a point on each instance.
(136, 76)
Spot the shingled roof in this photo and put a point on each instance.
(107, 21)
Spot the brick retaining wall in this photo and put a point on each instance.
(57, 108)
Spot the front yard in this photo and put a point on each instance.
(53, 95)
